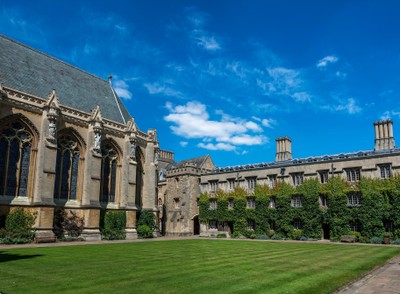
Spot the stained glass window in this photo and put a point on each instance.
(15, 148)
(66, 168)
(108, 173)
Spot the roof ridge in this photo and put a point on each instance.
(296, 160)
(51, 57)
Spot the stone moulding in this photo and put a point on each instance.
(35, 104)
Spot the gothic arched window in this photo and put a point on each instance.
(67, 163)
(15, 150)
(108, 173)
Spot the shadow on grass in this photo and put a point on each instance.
(4, 256)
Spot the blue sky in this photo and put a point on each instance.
(226, 78)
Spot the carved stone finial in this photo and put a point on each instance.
(96, 115)
(152, 133)
(131, 126)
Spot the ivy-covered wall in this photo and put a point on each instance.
(379, 210)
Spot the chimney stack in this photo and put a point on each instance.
(283, 149)
(384, 139)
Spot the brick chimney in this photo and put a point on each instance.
(283, 149)
(384, 139)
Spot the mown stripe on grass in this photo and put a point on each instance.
(193, 266)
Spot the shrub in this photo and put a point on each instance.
(396, 242)
(335, 239)
(68, 223)
(303, 238)
(221, 235)
(263, 237)
(357, 235)
(145, 224)
(146, 217)
(296, 234)
(376, 240)
(144, 231)
(236, 235)
(19, 224)
(3, 233)
(387, 234)
(276, 237)
(114, 225)
(9, 239)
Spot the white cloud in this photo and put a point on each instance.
(218, 146)
(341, 75)
(301, 96)
(192, 121)
(351, 106)
(183, 143)
(208, 43)
(389, 114)
(159, 89)
(253, 126)
(268, 123)
(324, 62)
(248, 140)
(122, 89)
(288, 82)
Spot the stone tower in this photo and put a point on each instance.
(283, 149)
(384, 135)
(182, 195)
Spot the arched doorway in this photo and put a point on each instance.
(326, 232)
(196, 225)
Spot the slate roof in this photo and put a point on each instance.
(313, 159)
(34, 72)
(198, 162)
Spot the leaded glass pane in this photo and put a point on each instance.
(74, 175)
(23, 178)
(105, 178)
(3, 150)
(66, 163)
(11, 185)
(57, 181)
(113, 178)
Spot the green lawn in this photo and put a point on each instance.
(188, 266)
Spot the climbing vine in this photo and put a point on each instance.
(305, 210)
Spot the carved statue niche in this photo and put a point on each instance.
(53, 112)
(97, 123)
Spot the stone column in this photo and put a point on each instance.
(129, 187)
(150, 179)
(43, 193)
(92, 178)
(376, 127)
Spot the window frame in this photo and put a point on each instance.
(385, 170)
(296, 201)
(298, 178)
(109, 174)
(67, 143)
(251, 202)
(213, 204)
(251, 183)
(213, 186)
(22, 175)
(323, 176)
(354, 199)
(353, 175)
